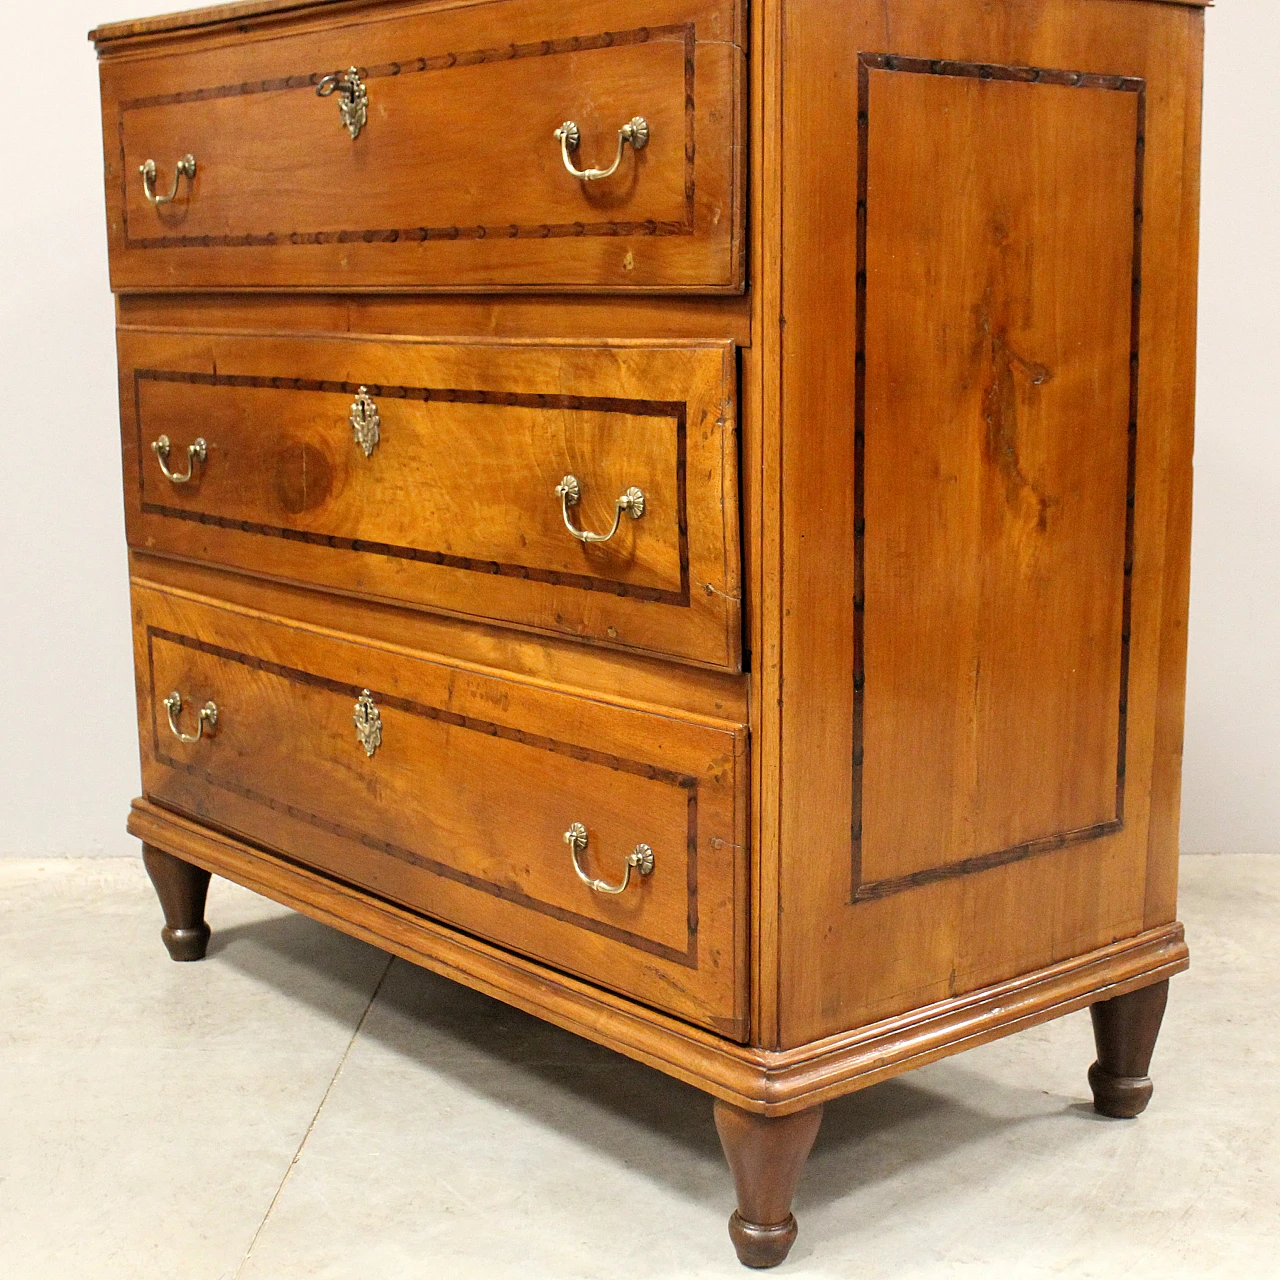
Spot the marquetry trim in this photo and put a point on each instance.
(868, 62)
(686, 782)
(411, 66)
(674, 410)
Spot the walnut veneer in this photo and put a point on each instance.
(873, 356)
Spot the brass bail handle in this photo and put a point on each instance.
(198, 451)
(208, 716)
(640, 859)
(569, 491)
(185, 168)
(353, 98)
(635, 131)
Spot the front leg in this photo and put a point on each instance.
(1125, 1030)
(182, 889)
(766, 1155)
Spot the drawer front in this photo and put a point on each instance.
(454, 504)
(456, 178)
(455, 796)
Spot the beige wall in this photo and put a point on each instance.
(1231, 777)
(68, 760)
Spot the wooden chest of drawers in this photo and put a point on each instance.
(674, 515)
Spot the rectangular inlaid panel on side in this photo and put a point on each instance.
(1002, 209)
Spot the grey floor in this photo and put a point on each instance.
(300, 1106)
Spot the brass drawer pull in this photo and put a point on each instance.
(569, 491)
(641, 858)
(365, 422)
(635, 131)
(353, 98)
(185, 168)
(208, 715)
(197, 452)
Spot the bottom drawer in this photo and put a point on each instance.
(456, 793)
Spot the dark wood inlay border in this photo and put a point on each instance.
(417, 235)
(676, 410)
(868, 62)
(687, 782)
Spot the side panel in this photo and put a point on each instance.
(1000, 349)
(985, 395)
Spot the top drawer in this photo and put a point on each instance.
(456, 179)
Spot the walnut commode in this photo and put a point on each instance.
(675, 517)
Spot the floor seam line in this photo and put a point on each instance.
(306, 1137)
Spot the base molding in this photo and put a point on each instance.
(768, 1082)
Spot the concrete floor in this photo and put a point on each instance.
(300, 1106)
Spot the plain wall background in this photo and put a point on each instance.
(68, 752)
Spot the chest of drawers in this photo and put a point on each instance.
(672, 514)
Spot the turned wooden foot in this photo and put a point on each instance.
(1125, 1031)
(182, 890)
(765, 1155)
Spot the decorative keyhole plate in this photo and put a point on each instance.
(366, 422)
(368, 723)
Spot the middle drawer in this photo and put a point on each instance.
(582, 490)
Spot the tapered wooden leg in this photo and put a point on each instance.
(1125, 1031)
(765, 1155)
(182, 890)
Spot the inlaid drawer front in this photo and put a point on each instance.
(509, 144)
(604, 840)
(586, 491)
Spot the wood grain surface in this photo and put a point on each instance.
(996, 485)
(460, 812)
(456, 508)
(581, 316)
(942, 498)
(650, 684)
(435, 194)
